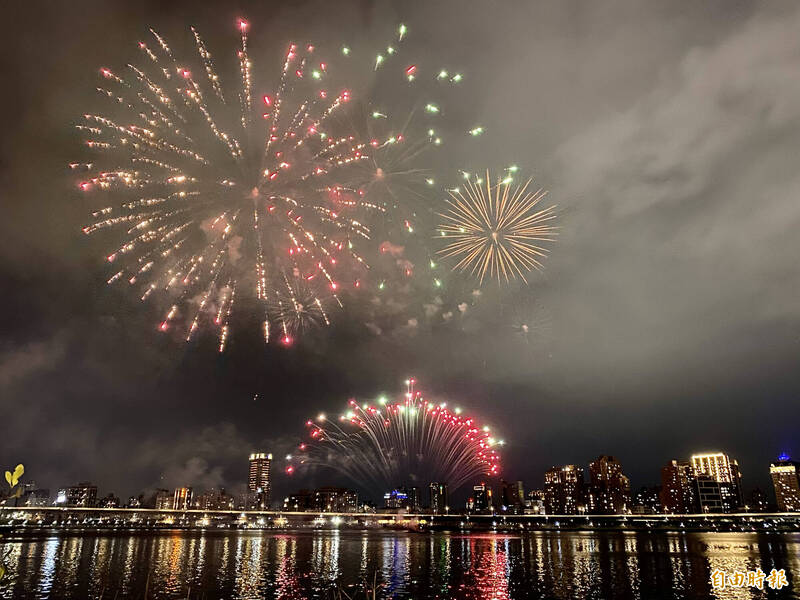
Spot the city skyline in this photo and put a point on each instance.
(708, 482)
(759, 478)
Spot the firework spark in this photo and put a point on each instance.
(390, 442)
(224, 188)
(528, 318)
(494, 231)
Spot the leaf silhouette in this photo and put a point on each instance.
(8, 478)
(18, 471)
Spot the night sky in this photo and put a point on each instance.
(668, 134)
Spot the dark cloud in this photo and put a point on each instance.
(667, 134)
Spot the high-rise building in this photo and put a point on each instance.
(677, 490)
(407, 498)
(646, 501)
(299, 501)
(785, 475)
(163, 499)
(414, 499)
(182, 498)
(439, 498)
(609, 489)
(534, 505)
(758, 501)
(709, 494)
(716, 465)
(110, 501)
(335, 499)
(519, 492)
(32, 495)
(83, 494)
(482, 498)
(511, 498)
(215, 499)
(396, 498)
(564, 492)
(720, 468)
(38, 497)
(258, 483)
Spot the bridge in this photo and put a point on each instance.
(78, 518)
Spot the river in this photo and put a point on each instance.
(335, 564)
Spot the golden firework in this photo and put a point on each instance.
(497, 230)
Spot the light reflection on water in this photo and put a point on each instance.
(311, 564)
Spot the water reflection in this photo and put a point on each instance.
(313, 564)
(491, 573)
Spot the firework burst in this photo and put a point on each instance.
(390, 442)
(496, 231)
(223, 188)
